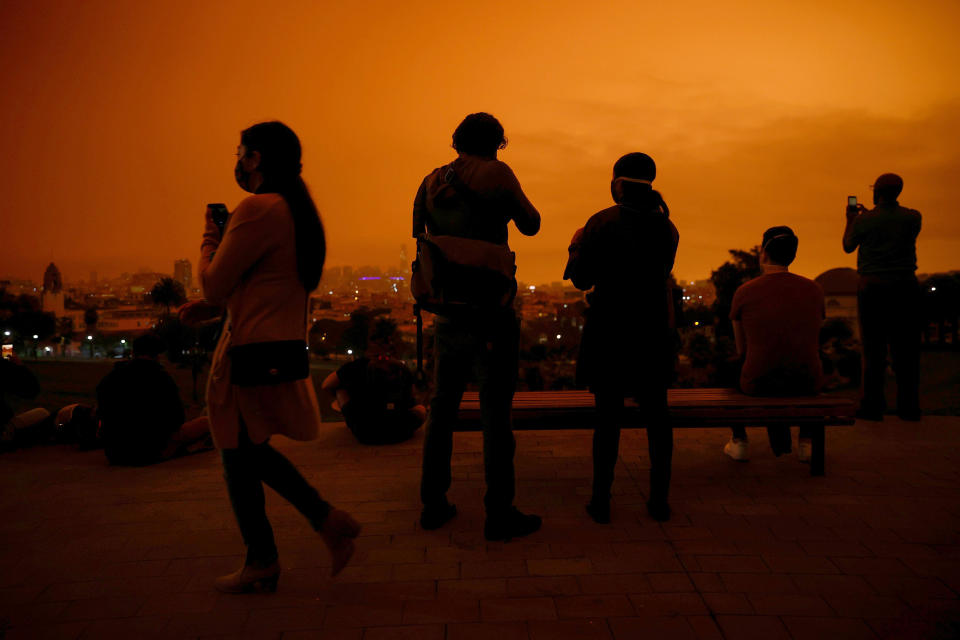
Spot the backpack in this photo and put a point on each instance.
(453, 275)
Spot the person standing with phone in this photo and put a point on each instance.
(888, 297)
(262, 266)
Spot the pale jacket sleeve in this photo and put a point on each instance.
(223, 263)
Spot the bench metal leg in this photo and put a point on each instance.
(817, 453)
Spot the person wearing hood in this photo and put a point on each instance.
(625, 254)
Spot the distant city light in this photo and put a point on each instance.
(532, 288)
(48, 349)
(6, 333)
(933, 288)
(89, 337)
(369, 278)
(349, 352)
(559, 336)
(35, 336)
(123, 341)
(330, 293)
(696, 324)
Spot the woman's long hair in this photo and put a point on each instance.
(639, 166)
(280, 165)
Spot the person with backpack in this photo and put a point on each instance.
(460, 217)
(625, 254)
(375, 396)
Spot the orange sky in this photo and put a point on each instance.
(120, 119)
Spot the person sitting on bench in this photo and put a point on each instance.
(625, 253)
(375, 395)
(776, 324)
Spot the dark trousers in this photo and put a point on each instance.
(606, 444)
(889, 318)
(246, 469)
(780, 440)
(487, 346)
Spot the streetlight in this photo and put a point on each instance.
(6, 333)
(123, 341)
(349, 352)
(89, 337)
(36, 337)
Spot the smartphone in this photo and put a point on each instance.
(851, 201)
(8, 352)
(219, 213)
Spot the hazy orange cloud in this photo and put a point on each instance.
(120, 119)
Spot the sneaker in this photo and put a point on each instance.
(514, 524)
(658, 510)
(804, 449)
(599, 511)
(737, 449)
(435, 517)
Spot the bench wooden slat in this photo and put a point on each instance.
(688, 408)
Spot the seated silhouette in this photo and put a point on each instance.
(375, 395)
(776, 324)
(142, 419)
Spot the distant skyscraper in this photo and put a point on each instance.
(183, 273)
(52, 299)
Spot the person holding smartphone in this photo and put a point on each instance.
(261, 266)
(888, 297)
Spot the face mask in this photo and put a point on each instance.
(242, 176)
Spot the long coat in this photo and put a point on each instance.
(625, 254)
(253, 271)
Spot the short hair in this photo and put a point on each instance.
(479, 134)
(888, 186)
(780, 243)
(149, 345)
(635, 165)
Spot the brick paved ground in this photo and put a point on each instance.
(755, 550)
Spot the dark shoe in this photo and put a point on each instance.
(513, 525)
(659, 511)
(338, 531)
(435, 517)
(599, 511)
(867, 414)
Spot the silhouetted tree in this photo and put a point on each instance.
(941, 306)
(64, 333)
(168, 293)
(357, 333)
(90, 319)
(727, 278)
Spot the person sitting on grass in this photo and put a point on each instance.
(141, 413)
(776, 324)
(375, 395)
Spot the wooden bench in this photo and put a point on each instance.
(689, 408)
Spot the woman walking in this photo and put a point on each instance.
(261, 264)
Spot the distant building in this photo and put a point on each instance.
(52, 299)
(183, 273)
(840, 295)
